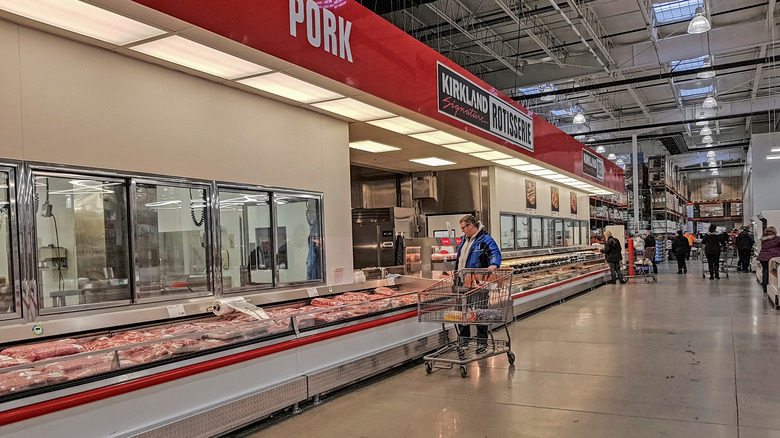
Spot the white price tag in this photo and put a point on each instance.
(391, 281)
(312, 291)
(176, 311)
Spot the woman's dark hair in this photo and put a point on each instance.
(469, 219)
(679, 232)
(713, 228)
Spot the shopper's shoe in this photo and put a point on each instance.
(685, 270)
(711, 277)
(481, 349)
(717, 278)
(679, 271)
(623, 281)
(611, 282)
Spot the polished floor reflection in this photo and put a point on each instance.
(685, 357)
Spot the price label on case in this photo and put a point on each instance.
(391, 281)
(312, 291)
(176, 311)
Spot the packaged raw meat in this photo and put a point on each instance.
(352, 296)
(16, 381)
(8, 361)
(44, 350)
(324, 302)
(386, 291)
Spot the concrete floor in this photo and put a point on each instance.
(685, 357)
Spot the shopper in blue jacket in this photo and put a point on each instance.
(476, 250)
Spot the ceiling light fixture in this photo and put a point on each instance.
(372, 146)
(702, 122)
(773, 157)
(84, 19)
(511, 162)
(292, 88)
(492, 155)
(715, 172)
(713, 164)
(401, 125)
(600, 149)
(353, 109)
(547, 96)
(706, 74)
(432, 161)
(774, 150)
(699, 23)
(437, 137)
(468, 147)
(611, 157)
(709, 102)
(620, 162)
(579, 119)
(707, 139)
(711, 153)
(705, 131)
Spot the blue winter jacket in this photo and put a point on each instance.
(483, 252)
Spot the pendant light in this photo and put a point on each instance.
(711, 154)
(579, 119)
(707, 139)
(699, 23)
(600, 149)
(706, 74)
(702, 122)
(709, 102)
(705, 131)
(620, 162)
(611, 156)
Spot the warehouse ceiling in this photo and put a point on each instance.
(629, 66)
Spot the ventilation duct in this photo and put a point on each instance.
(675, 144)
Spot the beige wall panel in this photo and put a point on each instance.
(10, 98)
(510, 197)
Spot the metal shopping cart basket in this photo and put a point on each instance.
(726, 259)
(469, 296)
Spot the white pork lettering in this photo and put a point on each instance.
(322, 30)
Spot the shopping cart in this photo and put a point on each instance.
(469, 296)
(643, 267)
(726, 260)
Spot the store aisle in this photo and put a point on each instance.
(686, 357)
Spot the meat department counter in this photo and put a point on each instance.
(204, 374)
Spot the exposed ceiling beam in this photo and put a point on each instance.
(538, 32)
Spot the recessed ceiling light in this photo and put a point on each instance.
(511, 162)
(354, 109)
(774, 150)
(292, 88)
(401, 125)
(773, 157)
(492, 155)
(543, 172)
(467, 147)
(84, 19)
(372, 146)
(432, 161)
(437, 137)
(529, 167)
(196, 56)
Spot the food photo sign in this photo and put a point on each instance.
(555, 200)
(530, 194)
(573, 203)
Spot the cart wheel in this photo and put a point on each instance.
(463, 371)
(428, 368)
(647, 281)
(511, 357)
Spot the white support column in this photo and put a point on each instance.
(635, 164)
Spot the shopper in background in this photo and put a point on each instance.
(650, 250)
(681, 249)
(714, 242)
(477, 250)
(745, 243)
(770, 248)
(614, 254)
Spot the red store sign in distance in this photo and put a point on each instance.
(344, 41)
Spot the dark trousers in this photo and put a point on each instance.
(482, 332)
(681, 266)
(713, 260)
(764, 274)
(614, 269)
(650, 254)
(744, 259)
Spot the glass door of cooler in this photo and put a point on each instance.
(443, 255)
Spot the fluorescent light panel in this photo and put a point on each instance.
(82, 18)
(542, 172)
(196, 56)
(774, 150)
(354, 109)
(468, 147)
(372, 146)
(492, 155)
(773, 157)
(437, 137)
(292, 88)
(529, 167)
(432, 161)
(401, 125)
(511, 162)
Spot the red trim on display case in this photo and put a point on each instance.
(367, 53)
(74, 400)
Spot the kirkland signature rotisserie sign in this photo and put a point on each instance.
(462, 99)
(592, 165)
